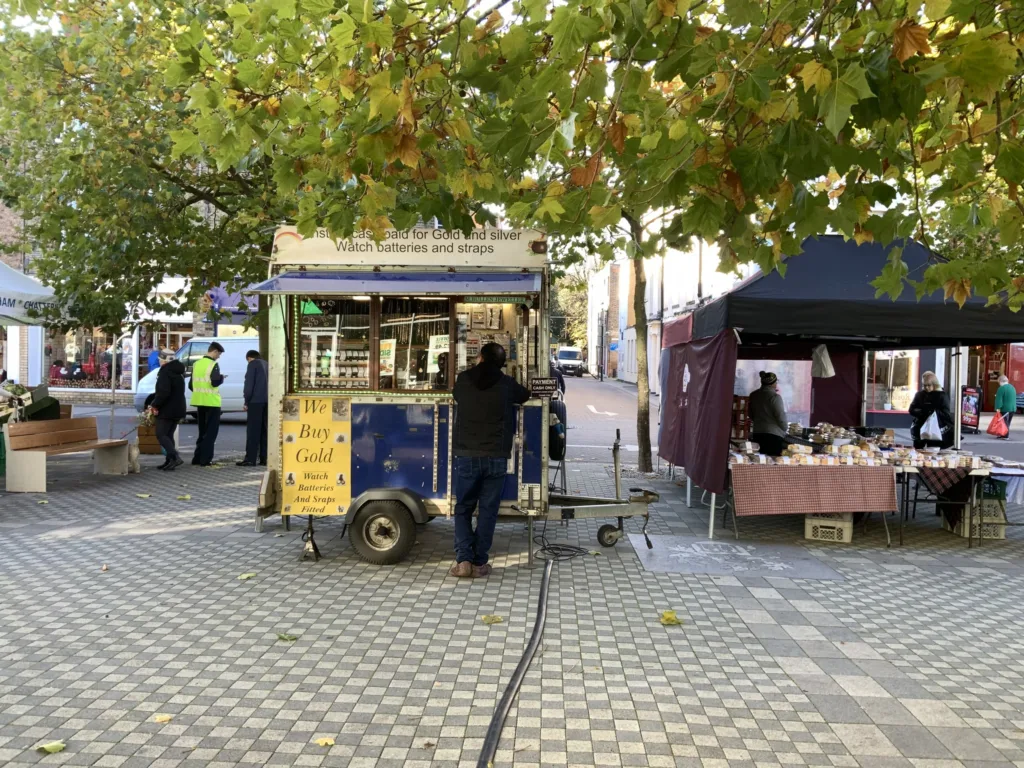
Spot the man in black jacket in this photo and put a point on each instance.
(168, 406)
(485, 428)
(255, 395)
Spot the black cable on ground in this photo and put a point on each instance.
(551, 551)
(501, 713)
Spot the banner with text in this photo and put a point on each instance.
(317, 455)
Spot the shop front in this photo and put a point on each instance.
(985, 364)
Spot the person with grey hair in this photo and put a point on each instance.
(1006, 403)
(931, 399)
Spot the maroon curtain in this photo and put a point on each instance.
(837, 399)
(697, 409)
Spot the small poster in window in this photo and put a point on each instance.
(438, 346)
(479, 317)
(494, 318)
(473, 344)
(387, 357)
(462, 318)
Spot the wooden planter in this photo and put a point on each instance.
(147, 441)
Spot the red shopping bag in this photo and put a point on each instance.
(998, 427)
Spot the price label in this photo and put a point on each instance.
(543, 387)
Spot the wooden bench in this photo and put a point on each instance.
(29, 443)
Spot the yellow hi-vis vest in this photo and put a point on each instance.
(203, 392)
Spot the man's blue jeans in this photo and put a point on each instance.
(478, 486)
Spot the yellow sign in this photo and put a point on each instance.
(317, 455)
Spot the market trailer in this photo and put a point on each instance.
(366, 340)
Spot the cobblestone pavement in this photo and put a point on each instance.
(914, 658)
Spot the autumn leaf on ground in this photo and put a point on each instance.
(42, 502)
(104, 567)
(185, 497)
(143, 495)
(324, 741)
(162, 718)
(491, 618)
(246, 576)
(909, 40)
(51, 748)
(286, 638)
(669, 619)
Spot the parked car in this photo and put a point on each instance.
(232, 365)
(570, 361)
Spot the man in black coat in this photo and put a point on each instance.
(256, 396)
(485, 428)
(168, 406)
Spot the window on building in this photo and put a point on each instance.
(83, 358)
(893, 377)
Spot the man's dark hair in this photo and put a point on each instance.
(215, 347)
(252, 354)
(493, 354)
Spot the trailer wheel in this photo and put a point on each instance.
(383, 532)
(608, 535)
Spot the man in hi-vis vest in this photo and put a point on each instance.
(206, 377)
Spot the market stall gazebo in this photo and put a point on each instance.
(20, 295)
(827, 298)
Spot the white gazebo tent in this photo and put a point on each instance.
(20, 294)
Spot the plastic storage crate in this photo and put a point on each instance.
(833, 527)
(993, 511)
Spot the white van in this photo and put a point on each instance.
(570, 361)
(232, 365)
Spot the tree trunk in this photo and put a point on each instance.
(643, 385)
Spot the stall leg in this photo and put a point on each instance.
(689, 486)
(311, 550)
(529, 535)
(287, 522)
(888, 538)
(711, 518)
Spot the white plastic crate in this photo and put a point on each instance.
(837, 528)
(992, 511)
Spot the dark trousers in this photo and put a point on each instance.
(208, 418)
(771, 445)
(479, 483)
(256, 433)
(1008, 417)
(165, 436)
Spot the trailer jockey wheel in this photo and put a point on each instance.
(608, 535)
(383, 532)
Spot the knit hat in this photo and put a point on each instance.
(767, 378)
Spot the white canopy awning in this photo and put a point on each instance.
(19, 294)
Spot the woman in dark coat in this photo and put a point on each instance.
(931, 399)
(169, 406)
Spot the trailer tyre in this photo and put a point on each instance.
(608, 535)
(383, 532)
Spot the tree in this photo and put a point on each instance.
(752, 124)
(569, 305)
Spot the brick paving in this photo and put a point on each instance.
(914, 658)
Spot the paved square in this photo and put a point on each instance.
(911, 658)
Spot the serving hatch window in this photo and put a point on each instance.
(334, 343)
(402, 343)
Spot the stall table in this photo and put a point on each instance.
(778, 489)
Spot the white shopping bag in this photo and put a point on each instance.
(931, 430)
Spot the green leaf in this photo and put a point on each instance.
(757, 168)
(246, 576)
(849, 89)
(984, 62)
(515, 43)
(570, 29)
(238, 11)
(669, 619)
(378, 32)
(605, 217)
(650, 141)
(285, 9)
(248, 72)
(491, 618)
(52, 747)
(551, 208)
(704, 218)
(318, 8)
(890, 282)
(1010, 163)
(287, 638)
(1011, 227)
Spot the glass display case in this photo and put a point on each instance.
(334, 343)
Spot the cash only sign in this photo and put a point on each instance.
(317, 455)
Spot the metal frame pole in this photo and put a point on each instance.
(711, 518)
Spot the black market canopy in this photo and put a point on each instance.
(827, 295)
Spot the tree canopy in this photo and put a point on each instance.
(750, 123)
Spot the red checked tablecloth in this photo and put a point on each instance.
(938, 481)
(772, 489)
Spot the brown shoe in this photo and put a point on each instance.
(479, 571)
(463, 570)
